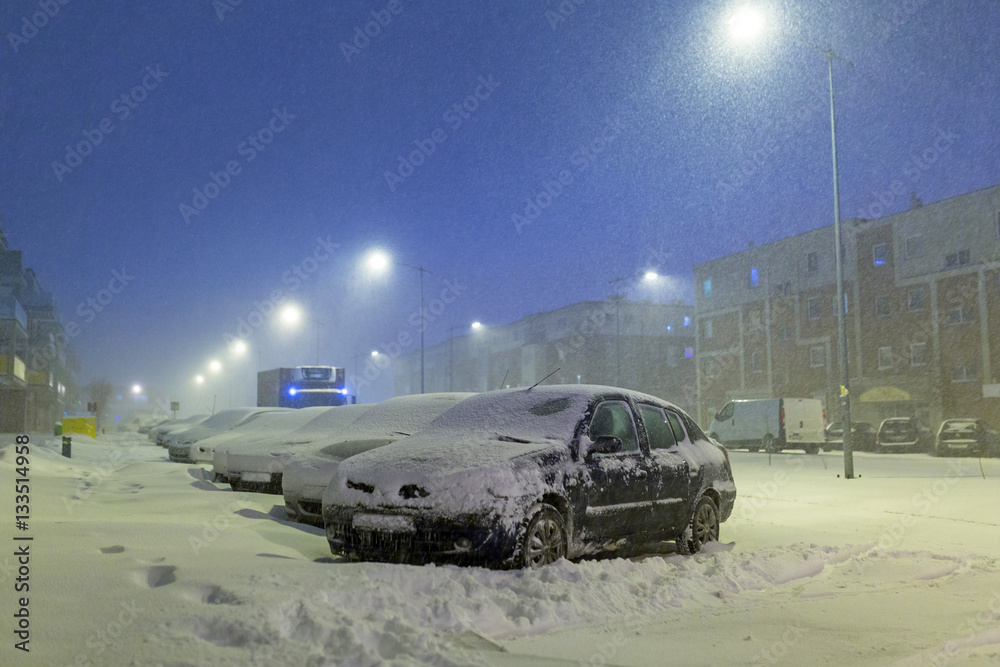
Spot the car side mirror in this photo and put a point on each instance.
(605, 444)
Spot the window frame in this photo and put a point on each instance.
(812, 355)
(812, 262)
(757, 362)
(813, 313)
(877, 249)
(916, 251)
(919, 292)
(883, 305)
(923, 353)
(888, 350)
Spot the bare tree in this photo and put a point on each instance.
(99, 392)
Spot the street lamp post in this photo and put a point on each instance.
(746, 24)
(647, 275)
(378, 261)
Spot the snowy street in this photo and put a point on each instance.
(899, 566)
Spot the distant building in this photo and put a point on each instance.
(577, 344)
(922, 290)
(38, 371)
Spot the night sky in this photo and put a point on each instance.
(645, 135)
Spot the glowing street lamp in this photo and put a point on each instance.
(292, 314)
(475, 326)
(136, 389)
(199, 379)
(215, 366)
(746, 24)
(238, 348)
(377, 261)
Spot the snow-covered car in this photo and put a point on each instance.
(159, 434)
(264, 427)
(902, 434)
(228, 460)
(308, 472)
(967, 437)
(523, 477)
(179, 441)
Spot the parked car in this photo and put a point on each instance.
(308, 470)
(321, 429)
(158, 434)
(771, 424)
(523, 477)
(179, 441)
(263, 427)
(902, 434)
(970, 437)
(862, 437)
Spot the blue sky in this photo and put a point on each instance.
(643, 134)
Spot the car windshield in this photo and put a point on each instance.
(960, 429)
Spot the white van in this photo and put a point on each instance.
(771, 424)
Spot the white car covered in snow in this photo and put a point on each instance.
(523, 477)
(309, 471)
(179, 442)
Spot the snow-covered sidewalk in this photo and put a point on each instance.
(138, 561)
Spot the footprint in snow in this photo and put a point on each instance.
(116, 549)
(156, 576)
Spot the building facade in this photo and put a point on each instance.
(922, 293)
(579, 343)
(38, 371)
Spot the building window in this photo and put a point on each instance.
(956, 259)
(918, 354)
(710, 368)
(963, 373)
(884, 358)
(707, 287)
(915, 299)
(784, 289)
(670, 328)
(757, 362)
(812, 308)
(754, 277)
(688, 352)
(914, 247)
(883, 307)
(784, 333)
(672, 356)
(708, 328)
(880, 254)
(817, 356)
(687, 321)
(812, 262)
(959, 315)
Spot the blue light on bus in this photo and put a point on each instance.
(292, 391)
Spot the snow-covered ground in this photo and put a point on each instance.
(138, 561)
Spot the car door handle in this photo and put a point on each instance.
(641, 474)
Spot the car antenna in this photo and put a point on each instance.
(542, 380)
(504, 381)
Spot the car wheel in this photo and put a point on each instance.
(704, 527)
(768, 444)
(545, 538)
(811, 449)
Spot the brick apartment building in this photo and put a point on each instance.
(580, 340)
(922, 291)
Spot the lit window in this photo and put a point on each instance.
(880, 254)
(754, 278)
(688, 352)
(670, 328)
(687, 321)
(884, 358)
(707, 286)
(918, 354)
(817, 356)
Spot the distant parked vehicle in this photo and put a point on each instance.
(159, 433)
(967, 437)
(862, 437)
(771, 424)
(900, 434)
(179, 442)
